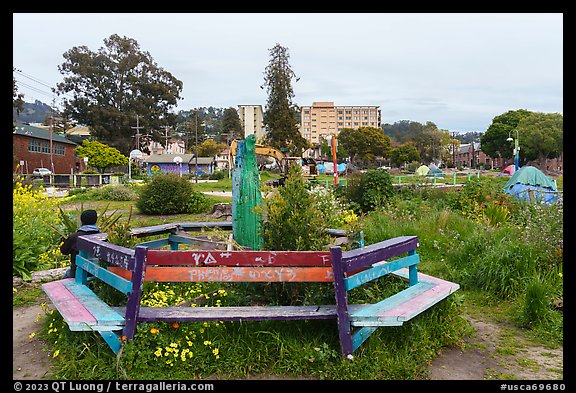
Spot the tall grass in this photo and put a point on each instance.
(515, 260)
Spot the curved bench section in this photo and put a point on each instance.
(129, 268)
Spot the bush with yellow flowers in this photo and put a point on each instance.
(35, 246)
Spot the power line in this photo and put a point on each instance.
(40, 82)
(34, 88)
(32, 78)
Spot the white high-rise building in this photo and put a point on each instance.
(252, 119)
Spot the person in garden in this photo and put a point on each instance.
(68, 247)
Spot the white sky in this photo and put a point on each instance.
(458, 70)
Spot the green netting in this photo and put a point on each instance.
(532, 176)
(246, 196)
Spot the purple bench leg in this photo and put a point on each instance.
(344, 328)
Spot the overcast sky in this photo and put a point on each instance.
(458, 70)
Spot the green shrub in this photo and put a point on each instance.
(293, 220)
(369, 190)
(113, 192)
(168, 193)
(218, 175)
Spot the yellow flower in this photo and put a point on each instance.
(154, 331)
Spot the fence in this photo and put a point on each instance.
(449, 179)
(81, 180)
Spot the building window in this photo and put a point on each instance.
(34, 145)
(59, 149)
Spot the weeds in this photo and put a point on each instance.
(506, 256)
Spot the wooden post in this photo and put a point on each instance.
(133, 304)
(344, 328)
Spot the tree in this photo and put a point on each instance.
(493, 142)
(326, 150)
(281, 115)
(231, 126)
(364, 143)
(17, 98)
(540, 135)
(113, 86)
(406, 152)
(209, 148)
(100, 155)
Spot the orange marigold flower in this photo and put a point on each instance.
(175, 325)
(154, 330)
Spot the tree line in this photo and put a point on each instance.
(119, 82)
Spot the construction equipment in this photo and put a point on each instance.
(309, 167)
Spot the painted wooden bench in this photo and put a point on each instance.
(129, 268)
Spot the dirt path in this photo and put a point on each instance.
(29, 360)
(496, 351)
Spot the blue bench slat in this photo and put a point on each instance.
(379, 270)
(102, 312)
(371, 313)
(112, 279)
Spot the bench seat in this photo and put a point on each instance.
(405, 305)
(233, 313)
(392, 311)
(81, 308)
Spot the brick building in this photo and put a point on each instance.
(31, 149)
(469, 155)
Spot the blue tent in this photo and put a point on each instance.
(531, 185)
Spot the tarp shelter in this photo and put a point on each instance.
(328, 168)
(435, 171)
(530, 184)
(509, 170)
(422, 170)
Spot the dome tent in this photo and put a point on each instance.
(530, 184)
(423, 170)
(509, 170)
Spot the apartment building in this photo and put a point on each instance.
(252, 119)
(324, 118)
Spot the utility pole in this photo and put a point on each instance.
(453, 149)
(137, 132)
(196, 155)
(166, 136)
(51, 147)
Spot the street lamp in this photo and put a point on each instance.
(516, 150)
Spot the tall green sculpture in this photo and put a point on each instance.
(246, 196)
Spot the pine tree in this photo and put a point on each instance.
(281, 115)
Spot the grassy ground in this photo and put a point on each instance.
(305, 349)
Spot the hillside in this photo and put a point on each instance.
(34, 112)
